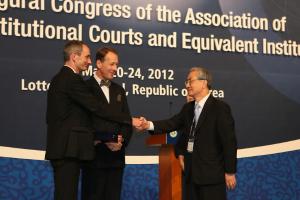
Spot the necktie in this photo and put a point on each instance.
(197, 112)
(105, 83)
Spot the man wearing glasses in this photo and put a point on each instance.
(208, 142)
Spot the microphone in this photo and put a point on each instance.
(170, 108)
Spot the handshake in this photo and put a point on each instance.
(140, 123)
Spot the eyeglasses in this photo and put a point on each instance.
(190, 81)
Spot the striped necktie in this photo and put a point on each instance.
(197, 112)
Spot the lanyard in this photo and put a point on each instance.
(190, 144)
(192, 130)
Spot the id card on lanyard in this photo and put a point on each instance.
(190, 145)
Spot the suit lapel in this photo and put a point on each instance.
(190, 114)
(98, 91)
(204, 112)
(112, 94)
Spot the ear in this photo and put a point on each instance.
(206, 83)
(98, 64)
(73, 56)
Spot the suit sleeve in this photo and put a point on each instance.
(177, 122)
(228, 139)
(180, 146)
(82, 95)
(126, 130)
(174, 123)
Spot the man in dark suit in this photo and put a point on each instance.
(208, 144)
(70, 140)
(102, 179)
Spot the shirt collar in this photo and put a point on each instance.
(71, 69)
(202, 101)
(97, 78)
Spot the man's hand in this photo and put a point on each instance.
(141, 124)
(145, 124)
(96, 142)
(120, 139)
(136, 122)
(230, 181)
(113, 146)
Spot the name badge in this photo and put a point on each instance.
(190, 145)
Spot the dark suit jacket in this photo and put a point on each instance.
(69, 103)
(215, 145)
(118, 103)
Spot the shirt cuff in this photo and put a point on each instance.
(151, 126)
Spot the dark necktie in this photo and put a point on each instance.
(105, 83)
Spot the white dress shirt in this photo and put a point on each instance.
(105, 89)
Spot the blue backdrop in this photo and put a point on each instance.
(261, 88)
